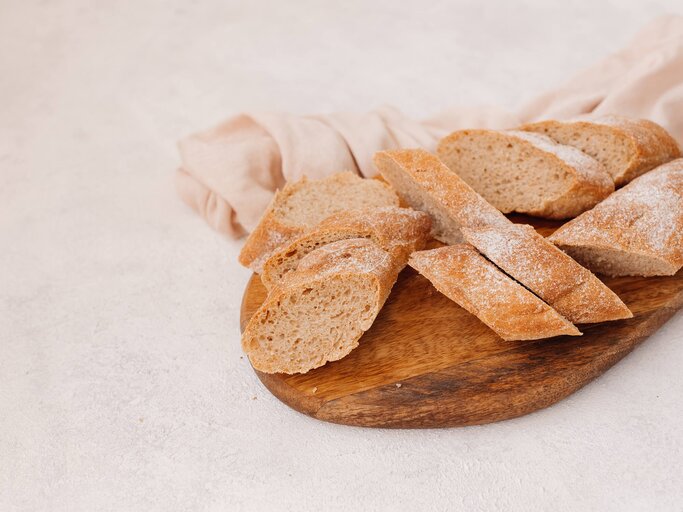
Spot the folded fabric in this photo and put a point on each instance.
(230, 173)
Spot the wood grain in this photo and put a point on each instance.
(426, 362)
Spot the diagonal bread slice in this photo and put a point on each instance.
(318, 313)
(556, 278)
(466, 277)
(303, 204)
(399, 231)
(637, 231)
(425, 183)
(625, 147)
(525, 172)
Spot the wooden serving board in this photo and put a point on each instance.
(426, 362)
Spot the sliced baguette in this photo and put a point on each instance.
(469, 279)
(423, 182)
(625, 147)
(525, 172)
(637, 231)
(318, 313)
(548, 272)
(303, 204)
(399, 231)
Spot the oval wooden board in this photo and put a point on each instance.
(427, 363)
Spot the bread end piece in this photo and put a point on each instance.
(638, 230)
(627, 148)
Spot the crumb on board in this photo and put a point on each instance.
(314, 389)
(398, 384)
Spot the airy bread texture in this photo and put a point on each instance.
(625, 147)
(526, 172)
(425, 183)
(637, 231)
(303, 204)
(548, 272)
(466, 277)
(318, 313)
(399, 231)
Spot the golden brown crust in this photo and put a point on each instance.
(514, 313)
(449, 193)
(399, 231)
(268, 235)
(548, 272)
(653, 145)
(650, 144)
(589, 184)
(367, 258)
(274, 230)
(352, 260)
(644, 219)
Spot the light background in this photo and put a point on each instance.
(122, 383)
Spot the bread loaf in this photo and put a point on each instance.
(425, 183)
(637, 231)
(399, 231)
(625, 147)
(302, 205)
(464, 276)
(548, 272)
(318, 313)
(525, 172)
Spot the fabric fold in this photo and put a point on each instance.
(229, 173)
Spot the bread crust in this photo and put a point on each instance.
(467, 278)
(359, 260)
(270, 233)
(644, 218)
(274, 230)
(556, 278)
(650, 144)
(589, 183)
(399, 231)
(449, 193)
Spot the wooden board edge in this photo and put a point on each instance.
(412, 415)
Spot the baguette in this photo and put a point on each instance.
(303, 204)
(467, 278)
(525, 172)
(625, 147)
(423, 182)
(399, 231)
(548, 272)
(318, 313)
(637, 231)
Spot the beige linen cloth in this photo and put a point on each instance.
(229, 173)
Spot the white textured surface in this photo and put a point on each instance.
(122, 385)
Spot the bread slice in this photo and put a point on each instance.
(423, 182)
(526, 172)
(466, 277)
(548, 272)
(399, 231)
(302, 205)
(637, 231)
(318, 313)
(625, 147)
